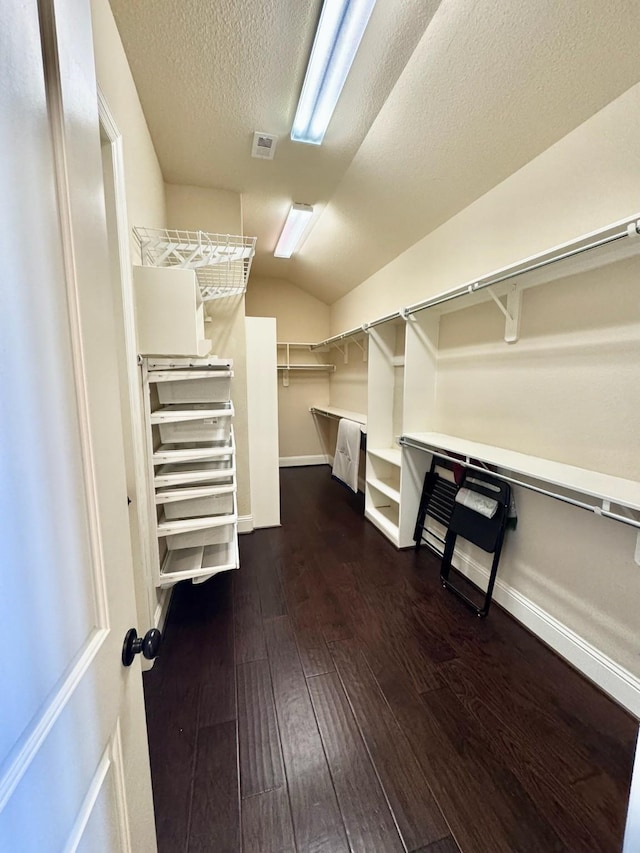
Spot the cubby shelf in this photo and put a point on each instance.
(384, 486)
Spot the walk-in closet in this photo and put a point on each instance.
(321, 462)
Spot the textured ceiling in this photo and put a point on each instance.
(444, 101)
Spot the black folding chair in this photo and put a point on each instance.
(486, 533)
(437, 501)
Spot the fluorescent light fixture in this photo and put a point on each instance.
(340, 30)
(295, 226)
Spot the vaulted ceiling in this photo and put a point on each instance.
(444, 101)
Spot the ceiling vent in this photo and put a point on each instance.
(264, 146)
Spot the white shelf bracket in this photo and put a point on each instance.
(344, 351)
(362, 348)
(637, 553)
(285, 378)
(511, 311)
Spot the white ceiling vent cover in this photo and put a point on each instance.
(264, 146)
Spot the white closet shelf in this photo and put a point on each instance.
(171, 453)
(183, 363)
(330, 368)
(222, 262)
(590, 251)
(177, 413)
(333, 412)
(393, 455)
(172, 495)
(603, 488)
(187, 525)
(200, 471)
(383, 519)
(385, 487)
(199, 563)
(183, 375)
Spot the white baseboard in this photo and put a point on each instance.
(245, 524)
(617, 682)
(298, 461)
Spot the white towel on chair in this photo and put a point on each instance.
(347, 455)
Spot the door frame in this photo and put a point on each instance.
(151, 611)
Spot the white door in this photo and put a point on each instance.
(74, 771)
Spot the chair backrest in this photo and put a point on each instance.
(484, 532)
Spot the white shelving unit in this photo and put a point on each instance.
(384, 424)
(191, 461)
(286, 363)
(401, 388)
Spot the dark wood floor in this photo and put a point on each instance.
(331, 696)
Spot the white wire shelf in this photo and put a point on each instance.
(222, 262)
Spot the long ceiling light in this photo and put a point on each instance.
(340, 30)
(294, 227)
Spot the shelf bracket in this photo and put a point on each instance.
(285, 378)
(637, 553)
(362, 348)
(344, 351)
(511, 311)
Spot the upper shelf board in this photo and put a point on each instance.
(602, 487)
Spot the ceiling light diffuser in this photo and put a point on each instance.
(340, 30)
(295, 226)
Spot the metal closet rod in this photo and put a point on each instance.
(629, 228)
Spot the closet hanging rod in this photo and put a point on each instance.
(337, 338)
(618, 231)
(632, 522)
(481, 284)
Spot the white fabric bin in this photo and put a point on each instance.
(220, 504)
(207, 429)
(209, 389)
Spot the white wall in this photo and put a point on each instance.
(568, 389)
(145, 185)
(299, 317)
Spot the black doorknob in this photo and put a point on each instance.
(149, 645)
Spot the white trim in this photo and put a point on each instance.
(136, 417)
(245, 524)
(623, 686)
(298, 461)
(20, 758)
(88, 804)
(53, 86)
(124, 823)
(162, 609)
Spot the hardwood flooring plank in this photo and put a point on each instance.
(417, 815)
(516, 702)
(535, 768)
(172, 716)
(260, 756)
(520, 751)
(215, 810)
(314, 652)
(316, 817)
(483, 805)
(266, 823)
(365, 811)
(445, 845)
(249, 634)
